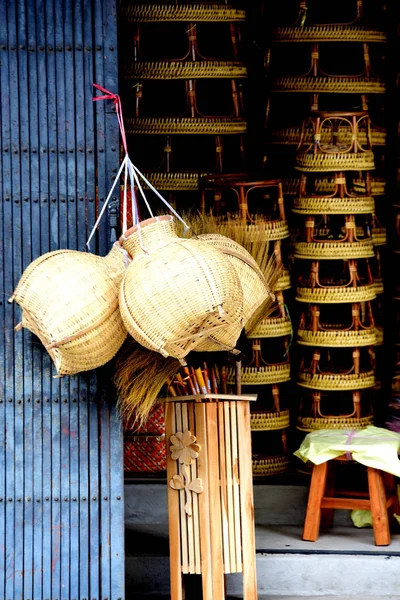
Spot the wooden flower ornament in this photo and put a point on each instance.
(185, 450)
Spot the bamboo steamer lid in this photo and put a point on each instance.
(177, 292)
(69, 299)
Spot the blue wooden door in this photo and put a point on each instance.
(61, 475)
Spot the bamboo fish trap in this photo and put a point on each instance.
(69, 300)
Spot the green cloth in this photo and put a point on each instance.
(373, 447)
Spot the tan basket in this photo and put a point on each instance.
(259, 375)
(336, 295)
(334, 250)
(325, 186)
(379, 286)
(283, 282)
(314, 424)
(207, 69)
(291, 136)
(337, 382)
(270, 465)
(328, 33)
(185, 125)
(271, 327)
(174, 181)
(269, 421)
(379, 335)
(379, 236)
(177, 292)
(331, 85)
(148, 13)
(69, 300)
(334, 206)
(335, 161)
(363, 337)
(254, 286)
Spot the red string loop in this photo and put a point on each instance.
(118, 109)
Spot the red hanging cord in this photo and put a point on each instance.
(118, 109)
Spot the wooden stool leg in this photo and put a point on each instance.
(391, 494)
(316, 493)
(380, 521)
(327, 514)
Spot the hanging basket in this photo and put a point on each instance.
(69, 300)
(176, 292)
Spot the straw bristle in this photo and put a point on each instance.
(139, 378)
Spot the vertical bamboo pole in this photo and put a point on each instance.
(224, 499)
(184, 534)
(173, 511)
(215, 504)
(189, 518)
(204, 502)
(246, 501)
(196, 524)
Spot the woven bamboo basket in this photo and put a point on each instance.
(336, 295)
(160, 13)
(255, 290)
(69, 300)
(378, 286)
(334, 206)
(335, 161)
(208, 69)
(328, 33)
(284, 281)
(271, 327)
(177, 292)
(337, 382)
(278, 373)
(325, 185)
(331, 85)
(144, 454)
(379, 335)
(312, 424)
(186, 125)
(379, 236)
(174, 181)
(333, 250)
(264, 466)
(269, 421)
(291, 136)
(363, 337)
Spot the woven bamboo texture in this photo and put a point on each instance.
(69, 300)
(176, 291)
(313, 424)
(336, 295)
(335, 161)
(334, 250)
(284, 282)
(337, 382)
(271, 327)
(334, 206)
(269, 421)
(186, 125)
(328, 33)
(174, 181)
(154, 424)
(272, 230)
(145, 454)
(259, 375)
(325, 186)
(147, 13)
(270, 465)
(331, 85)
(291, 136)
(379, 286)
(253, 283)
(208, 69)
(363, 337)
(379, 236)
(379, 335)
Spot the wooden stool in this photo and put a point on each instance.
(381, 500)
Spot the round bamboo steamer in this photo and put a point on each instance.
(69, 299)
(177, 292)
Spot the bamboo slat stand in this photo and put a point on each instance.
(210, 492)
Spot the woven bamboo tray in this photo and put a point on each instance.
(344, 339)
(334, 206)
(174, 181)
(271, 327)
(336, 295)
(283, 282)
(337, 382)
(324, 186)
(331, 85)
(346, 161)
(291, 136)
(269, 421)
(207, 69)
(313, 424)
(270, 465)
(147, 13)
(185, 125)
(334, 250)
(328, 33)
(260, 375)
